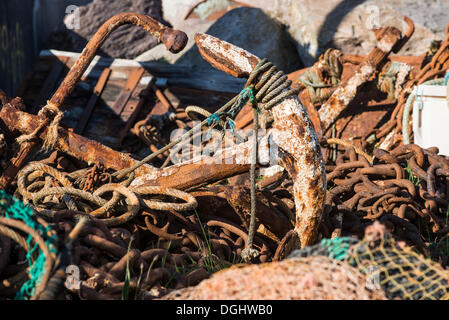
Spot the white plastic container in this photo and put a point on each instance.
(431, 117)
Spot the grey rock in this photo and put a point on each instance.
(346, 24)
(127, 41)
(252, 30)
(248, 28)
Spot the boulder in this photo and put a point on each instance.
(127, 41)
(346, 24)
(248, 28)
(343, 24)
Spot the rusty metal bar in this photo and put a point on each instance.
(346, 92)
(389, 39)
(89, 151)
(174, 41)
(125, 94)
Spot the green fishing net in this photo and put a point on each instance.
(12, 208)
(332, 248)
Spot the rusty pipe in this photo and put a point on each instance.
(408, 35)
(292, 132)
(174, 41)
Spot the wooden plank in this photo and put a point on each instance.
(51, 81)
(144, 95)
(177, 75)
(125, 95)
(82, 123)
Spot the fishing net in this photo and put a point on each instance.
(12, 208)
(388, 265)
(401, 272)
(332, 248)
(311, 278)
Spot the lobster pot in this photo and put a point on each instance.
(431, 117)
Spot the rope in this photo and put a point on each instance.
(34, 168)
(406, 114)
(391, 80)
(190, 204)
(37, 170)
(52, 131)
(323, 76)
(14, 236)
(446, 78)
(248, 253)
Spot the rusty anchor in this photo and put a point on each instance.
(389, 40)
(174, 41)
(292, 132)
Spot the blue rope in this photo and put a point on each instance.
(15, 209)
(245, 96)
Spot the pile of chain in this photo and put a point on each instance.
(156, 234)
(311, 278)
(407, 189)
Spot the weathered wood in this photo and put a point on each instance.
(51, 81)
(92, 101)
(176, 75)
(123, 98)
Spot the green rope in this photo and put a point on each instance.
(245, 96)
(331, 65)
(15, 209)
